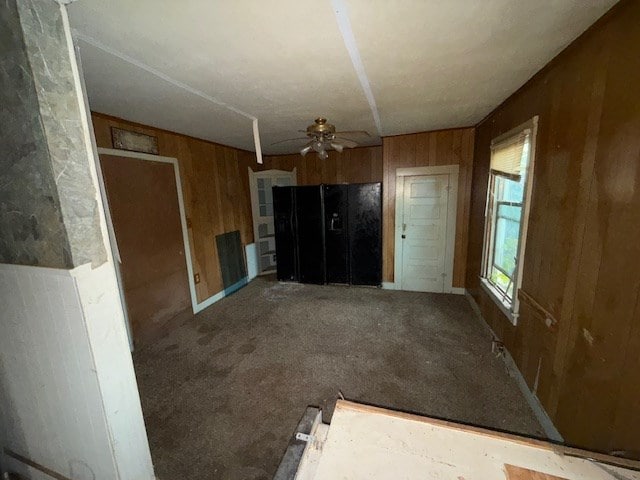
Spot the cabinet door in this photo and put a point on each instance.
(336, 233)
(284, 221)
(365, 233)
(310, 234)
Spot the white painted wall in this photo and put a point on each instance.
(51, 400)
(68, 396)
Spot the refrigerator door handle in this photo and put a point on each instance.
(335, 219)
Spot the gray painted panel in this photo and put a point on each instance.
(48, 52)
(31, 226)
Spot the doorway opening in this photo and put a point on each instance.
(149, 237)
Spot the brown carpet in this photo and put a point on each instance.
(223, 391)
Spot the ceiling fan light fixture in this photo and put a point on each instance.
(322, 136)
(337, 147)
(318, 146)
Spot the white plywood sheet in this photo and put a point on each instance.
(371, 443)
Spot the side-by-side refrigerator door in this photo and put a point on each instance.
(285, 232)
(310, 234)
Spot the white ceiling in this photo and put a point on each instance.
(190, 66)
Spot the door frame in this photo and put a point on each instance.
(253, 190)
(452, 209)
(195, 306)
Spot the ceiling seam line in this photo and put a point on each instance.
(179, 84)
(344, 25)
(161, 75)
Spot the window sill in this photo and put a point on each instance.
(504, 307)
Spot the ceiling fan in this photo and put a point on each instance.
(323, 136)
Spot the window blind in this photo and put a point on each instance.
(506, 155)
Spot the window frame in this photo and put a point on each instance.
(509, 309)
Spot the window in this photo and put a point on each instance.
(506, 215)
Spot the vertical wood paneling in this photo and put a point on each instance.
(355, 165)
(215, 188)
(581, 261)
(446, 147)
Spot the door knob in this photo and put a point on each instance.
(404, 236)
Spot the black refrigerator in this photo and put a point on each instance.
(284, 220)
(310, 234)
(336, 233)
(329, 233)
(365, 233)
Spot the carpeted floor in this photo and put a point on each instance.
(223, 391)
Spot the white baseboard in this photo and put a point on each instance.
(549, 428)
(220, 295)
(251, 254)
(393, 286)
(543, 418)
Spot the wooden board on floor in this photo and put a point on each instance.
(519, 473)
(372, 443)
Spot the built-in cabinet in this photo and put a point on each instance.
(261, 186)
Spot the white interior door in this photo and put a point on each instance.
(424, 232)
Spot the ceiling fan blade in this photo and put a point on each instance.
(289, 140)
(354, 132)
(346, 142)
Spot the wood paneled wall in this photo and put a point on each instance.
(355, 165)
(445, 147)
(378, 164)
(215, 185)
(583, 249)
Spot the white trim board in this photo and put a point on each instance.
(452, 207)
(344, 25)
(541, 415)
(511, 311)
(196, 307)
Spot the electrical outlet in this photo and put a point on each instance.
(196, 278)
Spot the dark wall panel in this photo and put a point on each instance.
(231, 259)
